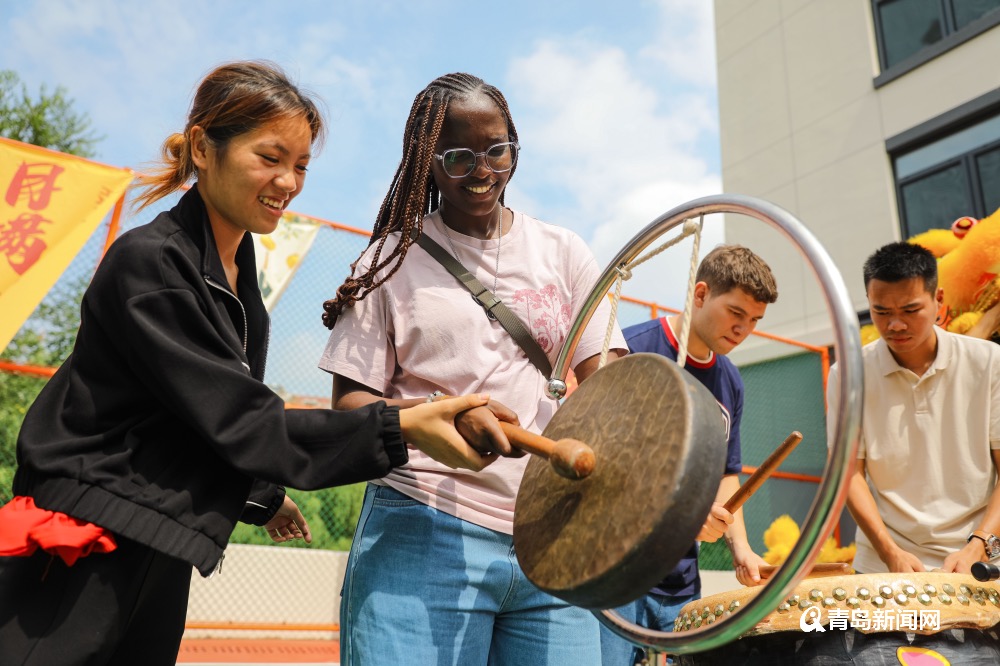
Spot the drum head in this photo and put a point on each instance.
(660, 443)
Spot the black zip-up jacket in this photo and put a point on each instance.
(158, 423)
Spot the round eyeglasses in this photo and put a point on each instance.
(460, 162)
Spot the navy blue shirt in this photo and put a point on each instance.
(719, 376)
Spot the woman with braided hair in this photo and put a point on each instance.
(432, 577)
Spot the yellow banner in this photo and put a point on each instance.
(280, 253)
(50, 204)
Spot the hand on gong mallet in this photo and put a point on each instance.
(721, 515)
(752, 571)
(716, 524)
(481, 428)
(570, 458)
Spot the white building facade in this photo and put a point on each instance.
(869, 120)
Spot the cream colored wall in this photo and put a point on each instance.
(803, 127)
(958, 76)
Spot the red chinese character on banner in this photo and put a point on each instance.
(20, 241)
(35, 181)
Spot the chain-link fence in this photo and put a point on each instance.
(781, 395)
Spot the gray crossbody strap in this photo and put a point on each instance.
(491, 304)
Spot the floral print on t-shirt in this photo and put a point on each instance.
(548, 317)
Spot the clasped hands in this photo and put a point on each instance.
(476, 421)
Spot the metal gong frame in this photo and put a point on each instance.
(832, 490)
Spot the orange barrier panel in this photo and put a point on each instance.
(258, 651)
(113, 226)
(778, 474)
(263, 626)
(17, 368)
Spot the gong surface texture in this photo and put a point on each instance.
(659, 438)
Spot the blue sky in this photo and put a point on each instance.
(616, 108)
(615, 103)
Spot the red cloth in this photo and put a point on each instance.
(24, 528)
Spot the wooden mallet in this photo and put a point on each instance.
(818, 570)
(751, 485)
(570, 458)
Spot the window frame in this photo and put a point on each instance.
(952, 38)
(977, 184)
(961, 160)
(971, 113)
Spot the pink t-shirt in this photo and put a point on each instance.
(422, 332)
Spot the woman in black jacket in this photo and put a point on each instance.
(157, 434)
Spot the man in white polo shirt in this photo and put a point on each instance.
(930, 432)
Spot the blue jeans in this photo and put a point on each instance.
(423, 587)
(653, 611)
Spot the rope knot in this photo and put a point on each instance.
(624, 272)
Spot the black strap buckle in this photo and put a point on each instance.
(487, 304)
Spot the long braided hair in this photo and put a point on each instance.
(413, 193)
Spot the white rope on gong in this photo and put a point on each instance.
(625, 273)
(682, 343)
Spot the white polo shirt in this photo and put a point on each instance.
(926, 442)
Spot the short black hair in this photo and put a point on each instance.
(902, 261)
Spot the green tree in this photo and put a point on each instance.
(47, 337)
(48, 121)
(332, 514)
(45, 341)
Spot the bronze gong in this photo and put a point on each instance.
(659, 440)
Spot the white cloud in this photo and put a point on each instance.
(616, 107)
(131, 66)
(686, 41)
(619, 143)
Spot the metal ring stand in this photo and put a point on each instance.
(832, 490)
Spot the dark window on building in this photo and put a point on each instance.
(949, 177)
(988, 166)
(967, 11)
(904, 27)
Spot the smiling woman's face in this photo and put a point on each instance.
(475, 123)
(250, 184)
